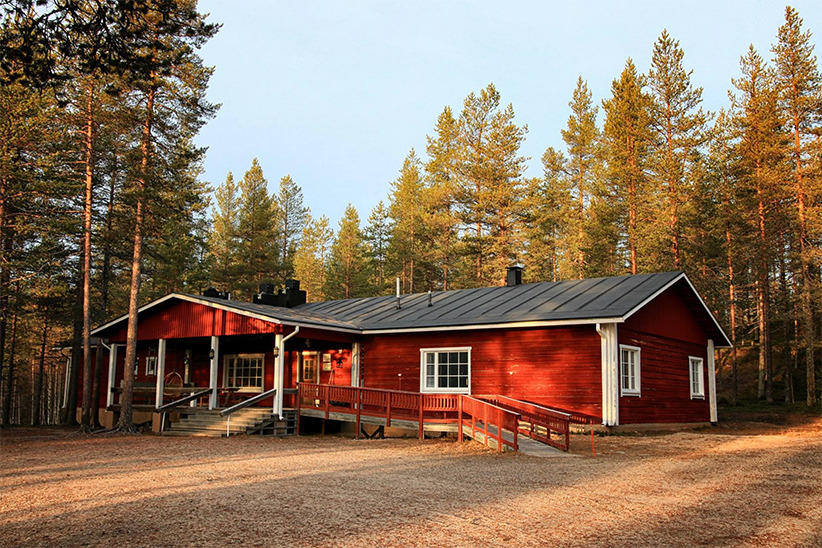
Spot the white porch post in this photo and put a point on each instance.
(161, 372)
(610, 373)
(712, 381)
(112, 373)
(212, 378)
(355, 364)
(279, 370)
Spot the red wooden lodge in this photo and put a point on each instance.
(617, 351)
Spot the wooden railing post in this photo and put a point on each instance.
(299, 403)
(422, 408)
(327, 392)
(460, 436)
(359, 410)
(388, 411)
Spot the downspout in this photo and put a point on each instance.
(610, 376)
(278, 398)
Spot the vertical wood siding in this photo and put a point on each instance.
(558, 366)
(186, 319)
(667, 333)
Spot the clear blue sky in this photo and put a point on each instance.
(337, 93)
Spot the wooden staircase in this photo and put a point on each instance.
(197, 421)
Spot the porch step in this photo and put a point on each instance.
(204, 422)
(273, 426)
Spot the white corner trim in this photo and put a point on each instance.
(712, 382)
(610, 373)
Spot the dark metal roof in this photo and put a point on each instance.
(571, 301)
(590, 299)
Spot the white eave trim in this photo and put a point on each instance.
(220, 306)
(504, 325)
(667, 286)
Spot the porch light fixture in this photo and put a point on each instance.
(276, 351)
(211, 354)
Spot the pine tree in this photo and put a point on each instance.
(439, 198)
(679, 131)
(377, 237)
(761, 164)
(800, 95)
(405, 211)
(348, 274)
(582, 168)
(312, 257)
(224, 236)
(256, 232)
(289, 215)
(491, 186)
(627, 139)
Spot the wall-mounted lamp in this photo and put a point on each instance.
(308, 343)
(211, 354)
(339, 362)
(276, 351)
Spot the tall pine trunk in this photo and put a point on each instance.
(126, 422)
(85, 420)
(38, 386)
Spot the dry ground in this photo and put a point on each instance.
(740, 486)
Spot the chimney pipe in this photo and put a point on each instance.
(398, 293)
(513, 276)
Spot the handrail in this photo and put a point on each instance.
(242, 405)
(518, 403)
(538, 419)
(163, 409)
(181, 401)
(246, 403)
(511, 424)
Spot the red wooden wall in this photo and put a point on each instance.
(557, 366)
(667, 334)
(182, 319)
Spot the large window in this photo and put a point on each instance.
(244, 371)
(446, 370)
(629, 370)
(697, 383)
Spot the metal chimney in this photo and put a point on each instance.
(513, 276)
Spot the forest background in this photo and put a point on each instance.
(102, 207)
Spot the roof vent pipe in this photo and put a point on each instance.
(398, 293)
(513, 276)
(429, 298)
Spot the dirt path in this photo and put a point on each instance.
(722, 487)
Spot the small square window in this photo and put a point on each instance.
(151, 366)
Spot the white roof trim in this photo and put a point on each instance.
(510, 325)
(668, 286)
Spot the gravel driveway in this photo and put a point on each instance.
(740, 486)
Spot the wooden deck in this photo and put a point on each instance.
(495, 421)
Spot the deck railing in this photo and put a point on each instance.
(489, 420)
(549, 426)
(390, 405)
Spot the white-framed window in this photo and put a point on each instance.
(629, 370)
(244, 371)
(697, 381)
(445, 370)
(151, 365)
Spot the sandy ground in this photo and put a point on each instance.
(743, 485)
